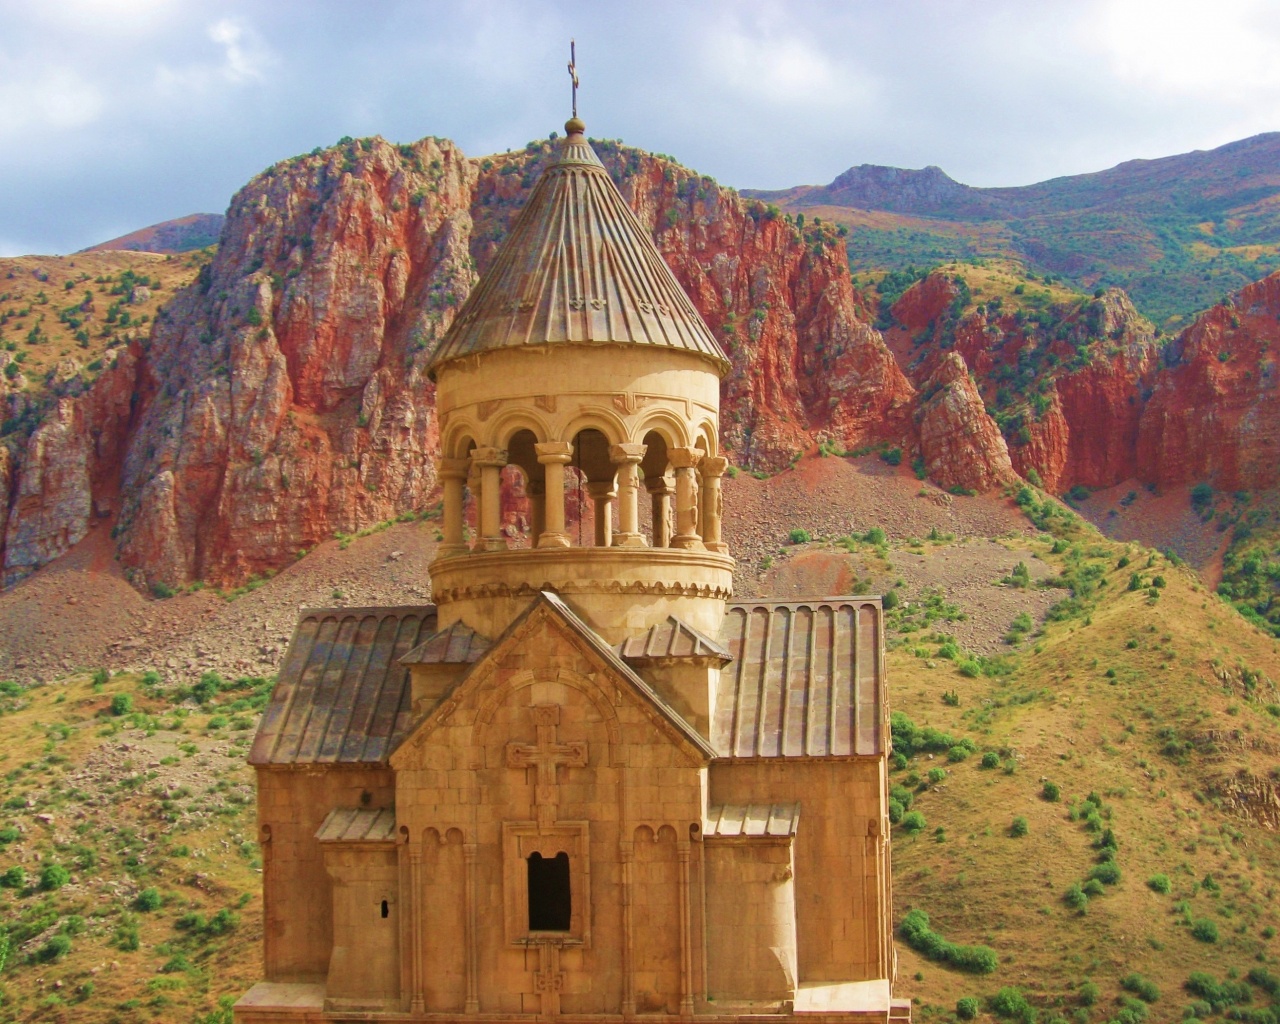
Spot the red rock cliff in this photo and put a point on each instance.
(282, 398)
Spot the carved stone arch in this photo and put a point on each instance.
(706, 438)
(596, 417)
(522, 680)
(511, 421)
(665, 833)
(645, 834)
(460, 438)
(672, 428)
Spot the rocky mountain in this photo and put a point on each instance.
(1085, 394)
(281, 398)
(194, 231)
(1176, 233)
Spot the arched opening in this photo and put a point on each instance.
(593, 477)
(655, 470)
(523, 491)
(550, 896)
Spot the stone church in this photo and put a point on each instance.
(584, 782)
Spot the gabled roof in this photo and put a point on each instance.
(458, 644)
(342, 696)
(671, 639)
(577, 268)
(358, 825)
(806, 679)
(662, 711)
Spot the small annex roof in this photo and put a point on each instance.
(577, 268)
(751, 820)
(671, 638)
(806, 680)
(343, 696)
(358, 825)
(457, 644)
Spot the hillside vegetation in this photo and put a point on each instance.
(1083, 780)
(1176, 233)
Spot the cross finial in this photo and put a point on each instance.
(573, 75)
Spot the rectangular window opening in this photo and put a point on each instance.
(550, 900)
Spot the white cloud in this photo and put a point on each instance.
(245, 58)
(766, 64)
(43, 101)
(1228, 50)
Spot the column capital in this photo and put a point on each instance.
(602, 489)
(714, 465)
(453, 469)
(554, 451)
(627, 452)
(685, 458)
(489, 457)
(659, 485)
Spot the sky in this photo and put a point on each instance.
(117, 114)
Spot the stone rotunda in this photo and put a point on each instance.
(583, 782)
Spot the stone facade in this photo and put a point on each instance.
(582, 783)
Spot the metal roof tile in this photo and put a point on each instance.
(807, 679)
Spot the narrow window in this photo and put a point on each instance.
(385, 909)
(549, 898)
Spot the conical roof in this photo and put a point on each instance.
(577, 268)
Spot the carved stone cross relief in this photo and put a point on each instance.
(547, 756)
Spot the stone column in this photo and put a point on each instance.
(453, 472)
(537, 492)
(603, 493)
(660, 493)
(685, 461)
(713, 468)
(490, 461)
(554, 456)
(627, 458)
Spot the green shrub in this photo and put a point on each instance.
(913, 821)
(9, 834)
(100, 677)
(1092, 887)
(990, 759)
(53, 877)
(1011, 1004)
(1051, 792)
(1204, 930)
(890, 600)
(799, 536)
(958, 753)
(1143, 988)
(1076, 898)
(1088, 993)
(1160, 884)
(1018, 828)
(936, 775)
(967, 1008)
(1219, 995)
(55, 949)
(149, 899)
(14, 878)
(915, 929)
(122, 704)
(970, 668)
(1108, 872)
(895, 811)
(73, 925)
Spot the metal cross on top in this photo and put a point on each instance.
(547, 756)
(573, 75)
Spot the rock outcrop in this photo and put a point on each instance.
(959, 442)
(282, 398)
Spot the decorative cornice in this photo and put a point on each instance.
(658, 588)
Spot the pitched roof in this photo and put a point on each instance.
(671, 638)
(458, 644)
(751, 820)
(806, 679)
(342, 696)
(358, 825)
(579, 268)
